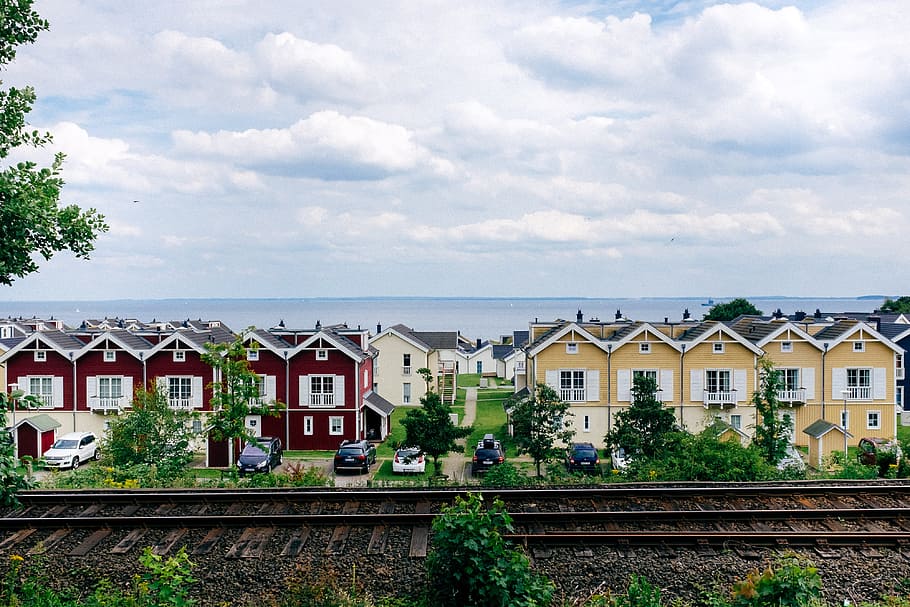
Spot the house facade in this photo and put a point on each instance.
(840, 371)
(402, 351)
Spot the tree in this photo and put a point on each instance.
(901, 305)
(540, 423)
(236, 393)
(772, 430)
(431, 428)
(31, 221)
(11, 481)
(151, 434)
(732, 309)
(646, 428)
(472, 565)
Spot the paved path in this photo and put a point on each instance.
(454, 465)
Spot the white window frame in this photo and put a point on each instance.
(40, 356)
(110, 356)
(252, 354)
(786, 346)
(644, 347)
(197, 426)
(366, 378)
(406, 393)
(717, 347)
(859, 390)
(322, 397)
(572, 347)
(308, 425)
(336, 425)
(586, 424)
(109, 380)
(406, 363)
(179, 356)
(46, 398)
(569, 390)
(859, 346)
(180, 380)
(322, 354)
(877, 424)
(736, 421)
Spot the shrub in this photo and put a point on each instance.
(505, 475)
(793, 582)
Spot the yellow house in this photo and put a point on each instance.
(402, 351)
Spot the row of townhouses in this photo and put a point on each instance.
(840, 374)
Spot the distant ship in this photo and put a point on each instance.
(710, 302)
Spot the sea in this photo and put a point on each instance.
(487, 318)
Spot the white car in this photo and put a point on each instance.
(72, 449)
(409, 459)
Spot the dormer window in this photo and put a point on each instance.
(252, 355)
(572, 348)
(322, 354)
(859, 346)
(110, 356)
(786, 346)
(718, 347)
(179, 356)
(644, 348)
(40, 356)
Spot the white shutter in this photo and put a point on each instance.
(304, 390)
(24, 384)
(623, 385)
(552, 379)
(739, 384)
(879, 383)
(128, 390)
(197, 391)
(666, 385)
(271, 392)
(339, 390)
(161, 382)
(696, 385)
(808, 382)
(58, 391)
(91, 387)
(838, 383)
(592, 385)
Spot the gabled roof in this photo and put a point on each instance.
(268, 340)
(423, 340)
(41, 422)
(129, 342)
(339, 342)
(627, 334)
(378, 404)
(841, 330)
(195, 341)
(550, 337)
(819, 428)
(57, 341)
(760, 331)
(895, 331)
(706, 329)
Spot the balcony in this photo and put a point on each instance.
(858, 393)
(572, 395)
(720, 399)
(322, 401)
(181, 404)
(105, 405)
(796, 396)
(406, 370)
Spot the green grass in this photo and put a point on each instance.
(903, 432)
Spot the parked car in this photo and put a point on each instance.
(409, 459)
(260, 454)
(582, 457)
(872, 448)
(72, 449)
(620, 458)
(488, 453)
(355, 455)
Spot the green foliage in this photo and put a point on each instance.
(151, 434)
(323, 588)
(432, 429)
(793, 582)
(123, 477)
(647, 427)
(11, 481)
(471, 565)
(731, 309)
(32, 223)
(166, 580)
(235, 393)
(772, 430)
(506, 475)
(540, 424)
(901, 305)
(301, 475)
(639, 594)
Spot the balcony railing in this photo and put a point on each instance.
(180, 403)
(899, 372)
(572, 395)
(520, 367)
(46, 401)
(322, 400)
(720, 399)
(795, 396)
(859, 393)
(406, 370)
(106, 404)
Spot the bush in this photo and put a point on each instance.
(505, 475)
(793, 582)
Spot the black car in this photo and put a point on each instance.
(488, 453)
(260, 454)
(582, 457)
(355, 455)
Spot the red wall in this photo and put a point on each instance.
(23, 363)
(92, 363)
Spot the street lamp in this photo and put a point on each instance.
(843, 421)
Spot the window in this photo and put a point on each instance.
(789, 379)
(322, 354)
(899, 366)
(859, 346)
(718, 347)
(572, 386)
(258, 383)
(366, 378)
(43, 389)
(859, 384)
(650, 374)
(873, 420)
(587, 423)
(252, 355)
(179, 356)
(336, 426)
(322, 390)
(736, 421)
(197, 426)
(717, 380)
(40, 356)
(180, 392)
(786, 346)
(406, 394)
(6, 332)
(479, 367)
(572, 348)
(899, 397)
(644, 348)
(405, 364)
(308, 425)
(110, 356)
(110, 388)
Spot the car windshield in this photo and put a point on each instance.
(253, 450)
(350, 451)
(65, 444)
(487, 454)
(584, 452)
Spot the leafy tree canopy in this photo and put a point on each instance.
(32, 223)
(772, 430)
(431, 428)
(901, 305)
(731, 309)
(540, 424)
(647, 427)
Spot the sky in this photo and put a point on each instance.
(476, 148)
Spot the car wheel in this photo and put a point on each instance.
(75, 463)
(280, 459)
(97, 454)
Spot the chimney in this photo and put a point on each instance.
(878, 322)
(318, 325)
(800, 316)
(618, 315)
(378, 328)
(478, 343)
(686, 314)
(818, 313)
(578, 316)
